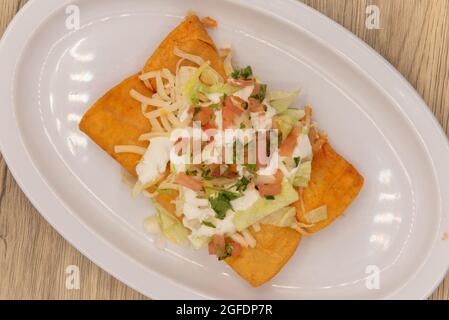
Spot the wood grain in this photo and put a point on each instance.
(413, 37)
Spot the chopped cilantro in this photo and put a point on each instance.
(261, 94)
(164, 191)
(227, 253)
(215, 106)
(194, 99)
(251, 166)
(245, 73)
(242, 126)
(235, 74)
(242, 184)
(205, 173)
(231, 195)
(221, 203)
(269, 197)
(196, 111)
(191, 172)
(297, 160)
(209, 224)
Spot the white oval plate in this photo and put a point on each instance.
(51, 75)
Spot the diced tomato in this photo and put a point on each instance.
(256, 89)
(219, 241)
(235, 104)
(269, 189)
(236, 249)
(181, 145)
(204, 115)
(228, 118)
(289, 144)
(217, 245)
(216, 172)
(255, 106)
(279, 176)
(274, 188)
(262, 159)
(189, 182)
(212, 248)
(230, 112)
(208, 128)
(231, 172)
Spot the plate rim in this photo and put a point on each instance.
(47, 202)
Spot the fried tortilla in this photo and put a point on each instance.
(334, 183)
(116, 119)
(191, 37)
(274, 248)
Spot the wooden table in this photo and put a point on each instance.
(413, 36)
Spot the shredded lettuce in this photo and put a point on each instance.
(287, 119)
(281, 100)
(303, 148)
(211, 77)
(151, 225)
(190, 89)
(172, 229)
(317, 215)
(284, 217)
(199, 242)
(223, 88)
(302, 176)
(263, 207)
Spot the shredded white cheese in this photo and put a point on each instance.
(130, 149)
